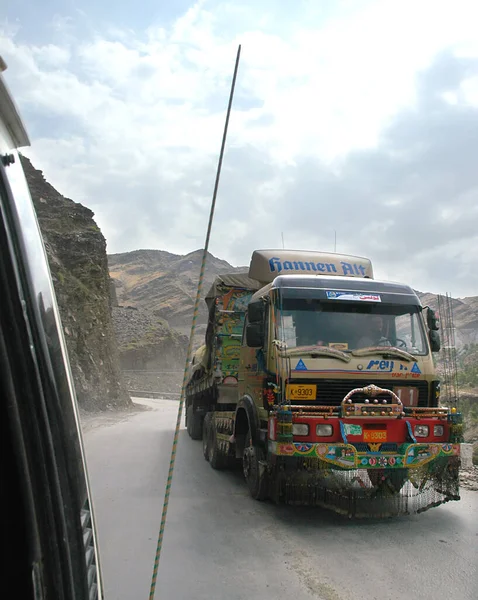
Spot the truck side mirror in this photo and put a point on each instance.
(255, 335)
(256, 311)
(432, 320)
(434, 338)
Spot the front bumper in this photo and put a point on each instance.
(347, 456)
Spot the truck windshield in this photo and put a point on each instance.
(349, 326)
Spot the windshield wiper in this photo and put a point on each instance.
(384, 351)
(312, 351)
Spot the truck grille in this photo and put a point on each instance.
(331, 392)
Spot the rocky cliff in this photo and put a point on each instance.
(76, 252)
(152, 355)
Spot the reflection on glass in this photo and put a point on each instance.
(351, 326)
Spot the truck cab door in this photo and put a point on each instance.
(251, 373)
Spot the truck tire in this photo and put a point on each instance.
(193, 423)
(254, 474)
(217, 459)
(205, 435)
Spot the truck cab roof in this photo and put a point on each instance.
(346, 288)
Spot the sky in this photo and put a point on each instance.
(354, 120)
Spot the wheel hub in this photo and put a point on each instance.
(249, 462)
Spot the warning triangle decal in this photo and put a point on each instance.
(415, 369)
(300, 366)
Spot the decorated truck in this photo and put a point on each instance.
(319, 380)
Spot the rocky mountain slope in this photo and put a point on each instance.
(465, 317)
(165, 283)
(76, 252)
(152, 355)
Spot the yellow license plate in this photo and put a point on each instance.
(299, 391)
(374, 435)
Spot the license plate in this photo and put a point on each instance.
(374, 435)
(299, 391)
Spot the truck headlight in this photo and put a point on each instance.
(421, 431)
(300, 429)
(324, 430)
(438, 430)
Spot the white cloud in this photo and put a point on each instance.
(142, 116)
(469, 89)
(61, 24)
(51, 56)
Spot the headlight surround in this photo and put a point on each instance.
(421, 431)
(300, 429)
(324, 430)
(438, 430)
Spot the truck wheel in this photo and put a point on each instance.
(254, 473)
(194, 425)
(206, 425)
(217, 459)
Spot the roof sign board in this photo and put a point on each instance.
(266, 265)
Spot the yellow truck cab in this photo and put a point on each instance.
(323, 334)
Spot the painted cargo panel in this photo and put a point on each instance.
(227, 301)
(230, 308)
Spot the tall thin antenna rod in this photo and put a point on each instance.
(282, 233)
(335, 241)
(190, 346)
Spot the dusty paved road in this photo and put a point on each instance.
(220, 544)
